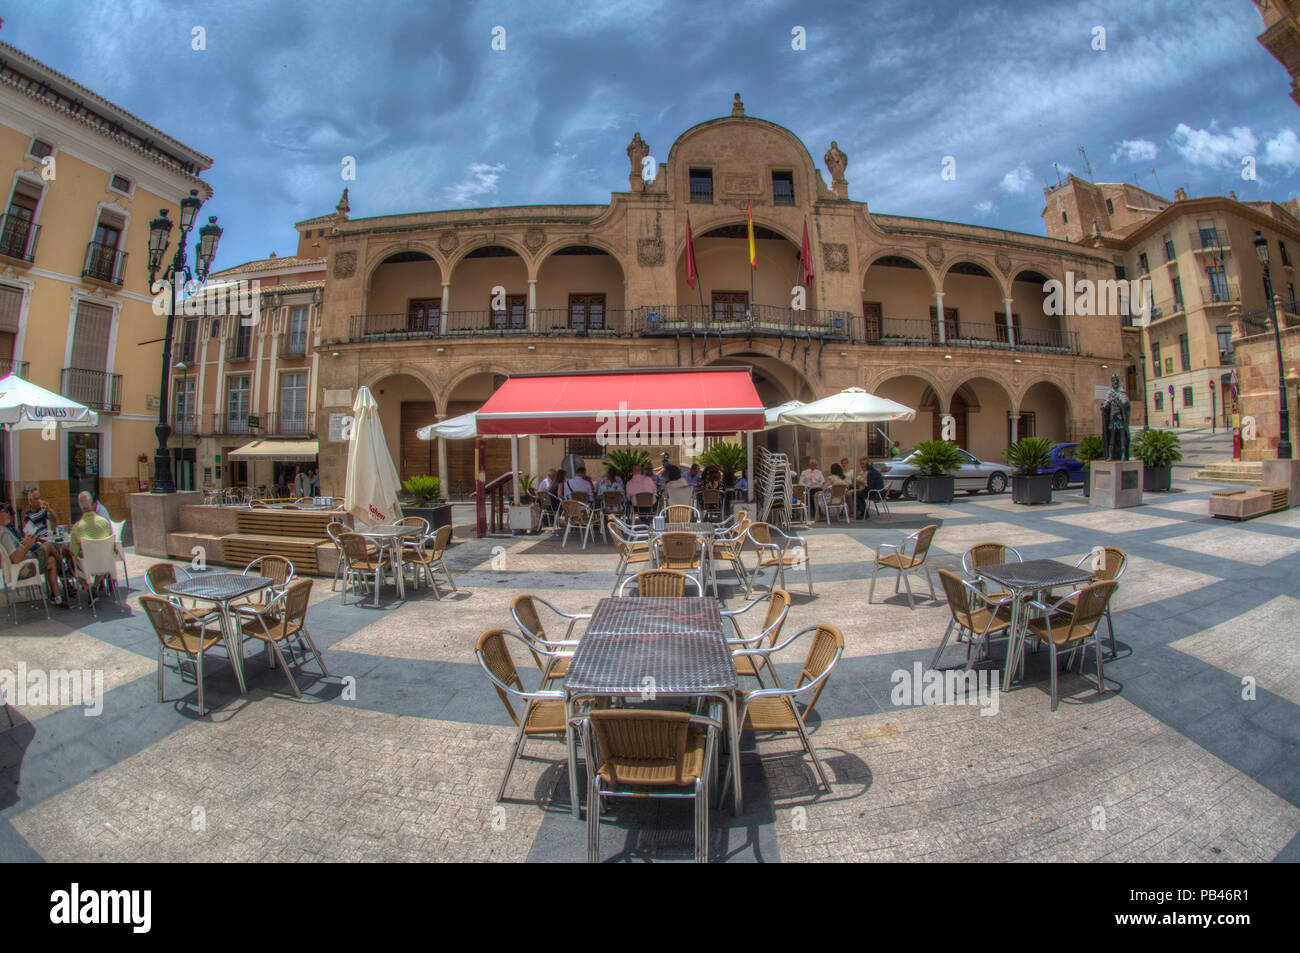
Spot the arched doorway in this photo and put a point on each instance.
(910, 391)
(405, 405)
(474, 307)
(466, 397)
(1045, 410)
(896, 292)
(776, 382)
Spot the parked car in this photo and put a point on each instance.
(1065, 468)
(974, 475)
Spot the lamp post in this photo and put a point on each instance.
(1283, 415)
(180, 463)
(176, 273)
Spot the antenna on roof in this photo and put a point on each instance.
(1087, 166)
(1157, 178)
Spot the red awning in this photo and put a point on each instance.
(660, 403)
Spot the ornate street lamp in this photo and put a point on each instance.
(176, 274)
(1283, 415)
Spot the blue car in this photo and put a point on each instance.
(1064, 467)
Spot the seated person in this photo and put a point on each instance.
(17, 550)
(90, 526)
(835, 479)
(693, 475)
(638, 483)
(561, 487)
(40, 520)
(579, 483)
(677, 487)
(610, 482)
(872, 479)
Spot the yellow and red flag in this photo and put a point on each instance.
(753, 258)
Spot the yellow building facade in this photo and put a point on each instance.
(83, 179)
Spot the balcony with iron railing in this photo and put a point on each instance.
(18, 238)
(104, 263)
(98, 390)
(292, 344)
(1221, 293)
(1203, 239)
(239, 347)
(185, 424)
(269, 424)
(721, 320)
(9, 366)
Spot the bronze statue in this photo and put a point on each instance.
(836, 163)
(1115, 412)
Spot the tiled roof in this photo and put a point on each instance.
(292, 289)
(268, 264)
(318, 220)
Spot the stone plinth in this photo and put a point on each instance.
(1240, 504)
(154, 515)
(1116, 484)
(1284, 474)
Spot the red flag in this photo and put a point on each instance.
(805, 256)
(692, 270)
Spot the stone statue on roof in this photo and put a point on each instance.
(637, 150)
(836, 163)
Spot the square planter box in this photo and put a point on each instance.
(934, 489)
(436, 515)
(1157, 479)
(1036, 488)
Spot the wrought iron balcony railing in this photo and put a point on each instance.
(9, 366)
(18, 237)
(98, 390)
(104, 263)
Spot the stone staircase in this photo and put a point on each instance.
(1241, 472)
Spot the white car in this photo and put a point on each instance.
(973, 475)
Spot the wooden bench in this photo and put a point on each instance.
(293, 534)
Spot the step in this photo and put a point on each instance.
(1242, 472)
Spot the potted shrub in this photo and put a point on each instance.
(935, 461)
(1030, 455)
(426, 500)
(730, 458)
(1158, 451)
(623, 460)
(1090, 448)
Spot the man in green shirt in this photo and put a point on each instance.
(90, 526)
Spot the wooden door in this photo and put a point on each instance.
(951, 324)
(422, 314)
(418, 457)
(730, 306)
(587, 312)
(513, 318)
(874, 316)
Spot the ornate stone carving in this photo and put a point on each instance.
(649, 252)
(534, 238)
(740, 183)
(836, 163)
(447, 242)
(737, 107)
(835, 256)
(934, 252)
(345, 264)
(637, 150)
(1004, 262)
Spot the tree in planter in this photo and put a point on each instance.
(1029, 455)
(935, 461)
(727, 457)
(425, 490)
(1158, 451)
(1091, 448)
(623, 460)
(527, 486)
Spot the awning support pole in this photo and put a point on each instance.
(514, 466)
(749, 466)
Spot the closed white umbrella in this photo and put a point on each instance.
(27, 406)
(372, 484)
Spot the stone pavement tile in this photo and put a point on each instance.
(1242, 545)
(1259, 643)
(1097, 781)
(958, 539)
(292, 781)
(545, 554)
(1115, 521)
(1060, 501)
(1198, 506)
(50, 653)
(1146, 581)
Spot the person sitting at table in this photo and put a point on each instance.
(812, 478)
(561, 488)
(871, 479)
(836, 478)
(90, 526)
(579, 484)
(742, 484)
(693, 475)
(16, 550)
(313, 480)
(712, 479)
(676, 486)
(610, 482)
(40, 521)
(638, 483)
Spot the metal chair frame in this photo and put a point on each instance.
(778, 553)
(899, 549)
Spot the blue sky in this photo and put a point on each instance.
(437, 119)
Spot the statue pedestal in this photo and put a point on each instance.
(1116, 484)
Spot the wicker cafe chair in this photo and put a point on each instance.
(283, 620)
(161, 575)
(661, 584)
(837, 498)
(799, 501)
(612, 501)
(276, 568)
(727, 524)
(631, 552)
(334, 530)
(974, 614)
(774, 709)
(643, 505)
(647, 753)
(360, 562)
(1069, 628)
(731, 546)
(751, 666)
(711, 503)
(555, 652)
(543, 711)
(429, 557)
(1115, 561)
(182, 632)
(685, 553)
(579, 516)
(420, 523)
(681, 513)
(989, 554)
(903, 563)
(787, 552)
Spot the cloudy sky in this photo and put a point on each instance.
(436, 119)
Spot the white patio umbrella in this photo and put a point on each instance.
(453, 428)
(853, 405)
(27, 406)
(370, 494)
(773, 417)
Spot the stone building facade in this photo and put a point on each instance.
(431, 310)
(1281, 37)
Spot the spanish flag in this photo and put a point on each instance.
(753, 258)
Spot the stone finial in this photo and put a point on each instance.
(637, 150)
(836, 163)
(1180, 194)
(343, 208)
(737, 107)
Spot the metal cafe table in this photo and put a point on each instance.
(222, 589)
(1023, 580)
(644, 649)
(388, 537)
